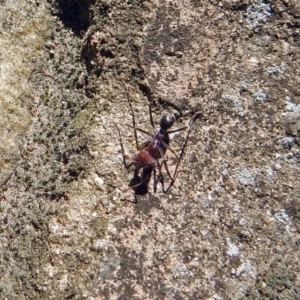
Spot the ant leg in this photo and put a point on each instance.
(150, 115)
(147, 92)
(192, 120)
(134, 201)
(140, 183)
(155, 179)
(133, 118)
(173, 178)
(127, 166)
(133, 123)
(176, 130)
(160, 176)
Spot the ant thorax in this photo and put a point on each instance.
(157, 138)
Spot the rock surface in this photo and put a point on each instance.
(229, 226)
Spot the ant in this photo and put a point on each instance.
(152, 151)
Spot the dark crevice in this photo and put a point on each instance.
(74, 14)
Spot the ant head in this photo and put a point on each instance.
(167, 121)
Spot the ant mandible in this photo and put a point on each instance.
(151, 151)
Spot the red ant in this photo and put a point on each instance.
(152, 151)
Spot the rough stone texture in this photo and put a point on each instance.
(19, 38)
(229, 227)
